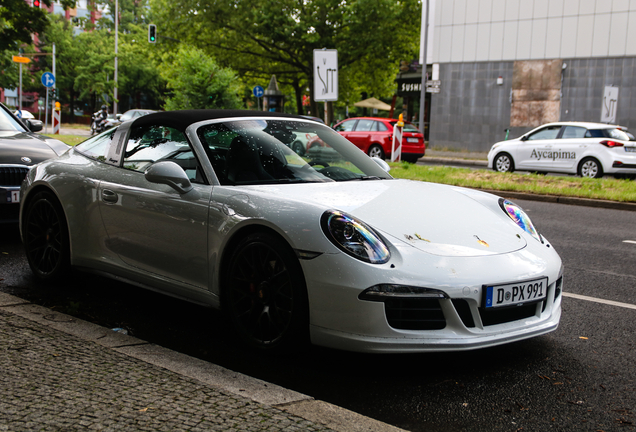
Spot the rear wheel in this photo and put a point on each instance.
(376, 151)
(504, 163)
(46, 239)
(298, 147)
(591, 168)
(265, 293)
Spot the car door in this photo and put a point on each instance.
(535, 151)
(150, 226)
(361, 135)
(346, 128)
(568, 149)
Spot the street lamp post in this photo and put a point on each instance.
(423, 46)
(116, 40)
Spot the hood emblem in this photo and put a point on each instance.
(26, 159)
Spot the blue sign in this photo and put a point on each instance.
(258, 91)
(48, 79)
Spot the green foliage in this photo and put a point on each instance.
(259, 38)
(197, 81)
(18, 20)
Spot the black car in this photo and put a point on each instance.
(20, 148)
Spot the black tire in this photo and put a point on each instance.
(591, 168)
(265, 293)
(503, 163)
(298, 147)
(376, 150)
(46, 239)
(410, 159)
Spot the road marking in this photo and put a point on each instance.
(602, 301)
(629, 241)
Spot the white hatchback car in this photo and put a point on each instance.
(586, 149)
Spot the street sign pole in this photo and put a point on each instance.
(20, 98)
(258, 91)
(46, 112)
(424, 42)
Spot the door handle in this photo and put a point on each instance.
(109, 196)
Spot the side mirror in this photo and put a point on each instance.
(382, 163)
(118, 116)
(169, 173)
(34, 125)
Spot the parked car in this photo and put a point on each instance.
(374, 136)
(212, 206)
(20, 149)
(128, 115)
(23, 114)
(585, 149)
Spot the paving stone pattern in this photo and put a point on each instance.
(51, 381)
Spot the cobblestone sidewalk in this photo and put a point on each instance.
(53, 381)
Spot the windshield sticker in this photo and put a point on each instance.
(548, 154)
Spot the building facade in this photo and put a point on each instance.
(507, 66)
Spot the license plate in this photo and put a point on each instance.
(13, 196)
(630, 149)
(515, 293)
(412, 140)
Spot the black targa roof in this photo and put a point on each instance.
(182, 119)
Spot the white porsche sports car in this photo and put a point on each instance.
(585, 149)
(214, 207)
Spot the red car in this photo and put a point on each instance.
(374, 136)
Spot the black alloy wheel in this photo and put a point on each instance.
(46, 240)
(265, 293)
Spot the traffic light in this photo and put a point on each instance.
(152, 33)
(36, 3)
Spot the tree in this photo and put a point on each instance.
(197, 81)
(19, 20)
(259, 38)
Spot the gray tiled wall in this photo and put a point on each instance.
(472, 111)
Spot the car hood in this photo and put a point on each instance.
(437, 219)
(25, 148)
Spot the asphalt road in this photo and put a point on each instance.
(581, 377)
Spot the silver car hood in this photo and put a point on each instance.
(437, 219)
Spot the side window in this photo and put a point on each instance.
(594, 133)
(382, 127)
(97, 146)
(364, 125)
(573, 132)
(346, 126)
(549, 132)
(149, 144)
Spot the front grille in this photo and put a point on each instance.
(414, 314)
(463, 310)
(12, 176)
(500, 316)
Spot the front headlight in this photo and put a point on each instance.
(354, 237)
(519, 217)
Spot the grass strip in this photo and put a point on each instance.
(604, 188)
(68, 139)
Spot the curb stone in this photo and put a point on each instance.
(289, 405)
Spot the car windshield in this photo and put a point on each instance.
(8, 123)
(264, 151)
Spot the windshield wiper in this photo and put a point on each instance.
(368, 177)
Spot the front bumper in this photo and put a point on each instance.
(339, 319)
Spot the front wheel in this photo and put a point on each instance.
(265, 293)
(46, 239)
(376, 151)
(503, 163)
(591, 168)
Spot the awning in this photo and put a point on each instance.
(373, 103)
